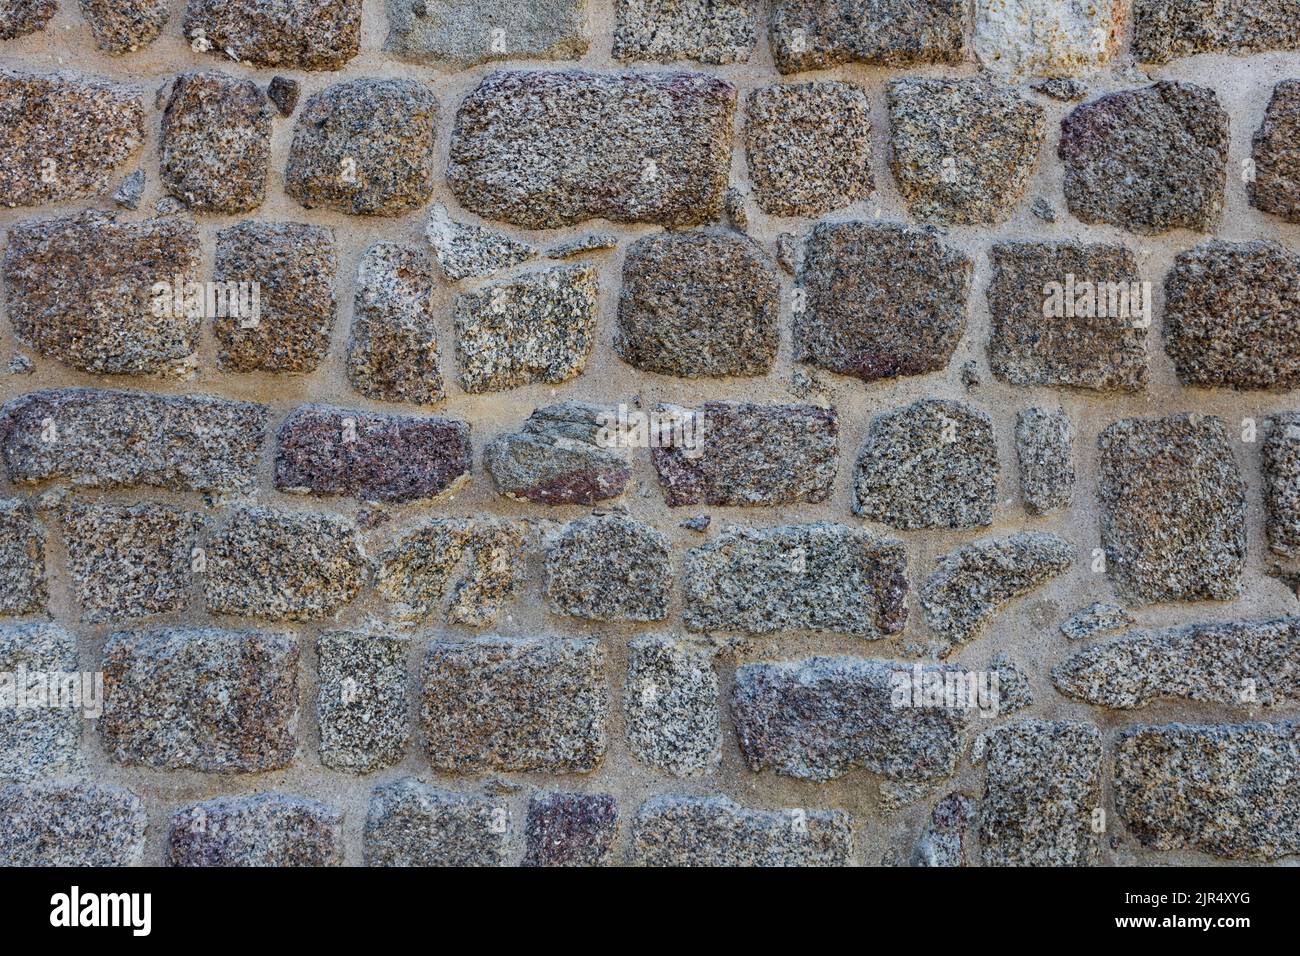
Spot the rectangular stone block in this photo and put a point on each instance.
(269, 829)
(39, 736)
(413, 824)
(362, 701)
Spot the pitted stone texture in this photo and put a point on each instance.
(1281, 466)
(412, 824)
(467, 251)
(70, 824)
(932, 464)
(1043, 784)
(23, 586)
(545, 149)
(800, 164)
(698, 305)
(537, 328)
(609, 568)
(1166, 29)
(570, 829)
(818, 577)
(63, 136)
(946, 840)
(1096, 618)
(1045, 450)
(301, 34)
(284, 93)
(83, 290)
(1014, 691)
(469, 566)
(708, 31)
(322, 450)
(1173, 509)
(1232, 316)
(713, 831)
(671, 698)
(458, 34)
(1234, 663)
(37, 741)
(269, 829)
(745, 454)
(539, 704)
(293, 265)
(206, 700)
(1147, 160)
(1023, 38)
(563, 455)
(129, 562)
(216, 143)
(109, 439)
(819, 34)
(361, 701)
(123, 26)
(284, 566)
(821, 717)
(880, 301)
(1231, 790)
(582, 245)
(970, 585)
(1275, 187)
(365, 147)
(393, 353)
(1066, 315)
(21, 17)
(962, 151)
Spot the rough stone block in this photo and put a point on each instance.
(413, 824)
(70, 824)
(1097, 618)
(362, 702)
(671, 698)
(124, 26)
(290, 34)
(1275, 186)
(36, 740)
(563, 455)
(468, 251)
(1281, 466)
(819, 34)
(269, 829)
(22, 17)
(708, 31)
(1045, 450)
(1166, 29)
(609, 568)
(23, 585)
(570, 829)
(1024, 38)
(458, 34)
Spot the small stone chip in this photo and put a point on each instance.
(1045, 450)
(568, 453)
(1166, 29)
(1096, 618)
(78, 824)
(290, 34)
(1281, 465)
(459, 34)
(412, 824)
(819, 34)
(1023, 38)
(609, 568)
(583, 244)
(21, 17)
(1275, 184)
(37, 741)
(708, 31)
(713, 831)
(466, 251)
(570, 829)
(131, 191)
(671, 699)
(362, 701)
(23, 586)
(947, 838)
(269, 829)
(124, 26)
(284, 92)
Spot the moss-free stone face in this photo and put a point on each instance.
(22, 17)
(1045, 451)
(562, 455)
(709, 31)
(124, 26)
(37, 742)
(1280, 459)
(410, 823)
(819, 34)
(458, 34)
(1274, 183)
(1024, 38)
(671, 701)
(1166, 29)
(301, 34)
(71, 824)
(23, 587)
(269, 829)
(570, 829)
(609, 568)
(361, 702)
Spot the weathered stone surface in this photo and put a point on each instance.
(123, 26)
(1062, 89)
(698, 305)
(321, 450)
(216, 143)
(946, 840)
(818, 34)
(284, 93)
(1232, 316)
(962, 150)
(284, 566)
(709, 31)
(538, 704)
(570, 829)
(393, 351)
(800, 164)
(565, 454)
(970, 585)
(467, 251)
(1281, 466)
(70, 824)
(99, 295)
(207, 700)
(609, 568)
(1165, 29)
(589, 242)
(932, 464)
(1043, 784)
(545, 149)
(1173, 509)
(1045, 450)
(880, 300)
(365, 147)
(819, 577)
(293, 266)
(1147, 160)
(1068, 314)
(1013, 688)
(1238, 662)
(269, 829)
(458, 34)
(302, 34)
(713, 831)
(63, 136)
(37, 741)
(820, 717)
(1230, 790)
(1275, 186)
(671, 698)
(21, 17)
(361, 701)
(1022, 38)
(23, 586)
(469, 566)
(129, 562)
(109, 439)
(413, 824)
(129, 194)
(538, 327)
(1096, 618)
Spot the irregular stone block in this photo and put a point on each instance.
(21, 17)
(1275, 184)
(947, 837)
(713, 831)
(284, 92)
(37, 740)
(412, 824)
(591, 242)
(1165, 29)
(1096, 618)
(818, 34)
(1013, 689)
(1281, 466)
(715, 31)
(301, 34)
(206, 700)
(879, 301)
(570, 829)
(269, 829)
(124, 26)
(671, 699)
(361, 701)
(563, 455)
(70, 824)
(1023, 38)
(458, 34)
(23, 586)
(466, 251)
(544, 149)
(1045, 450)
(609, 568)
